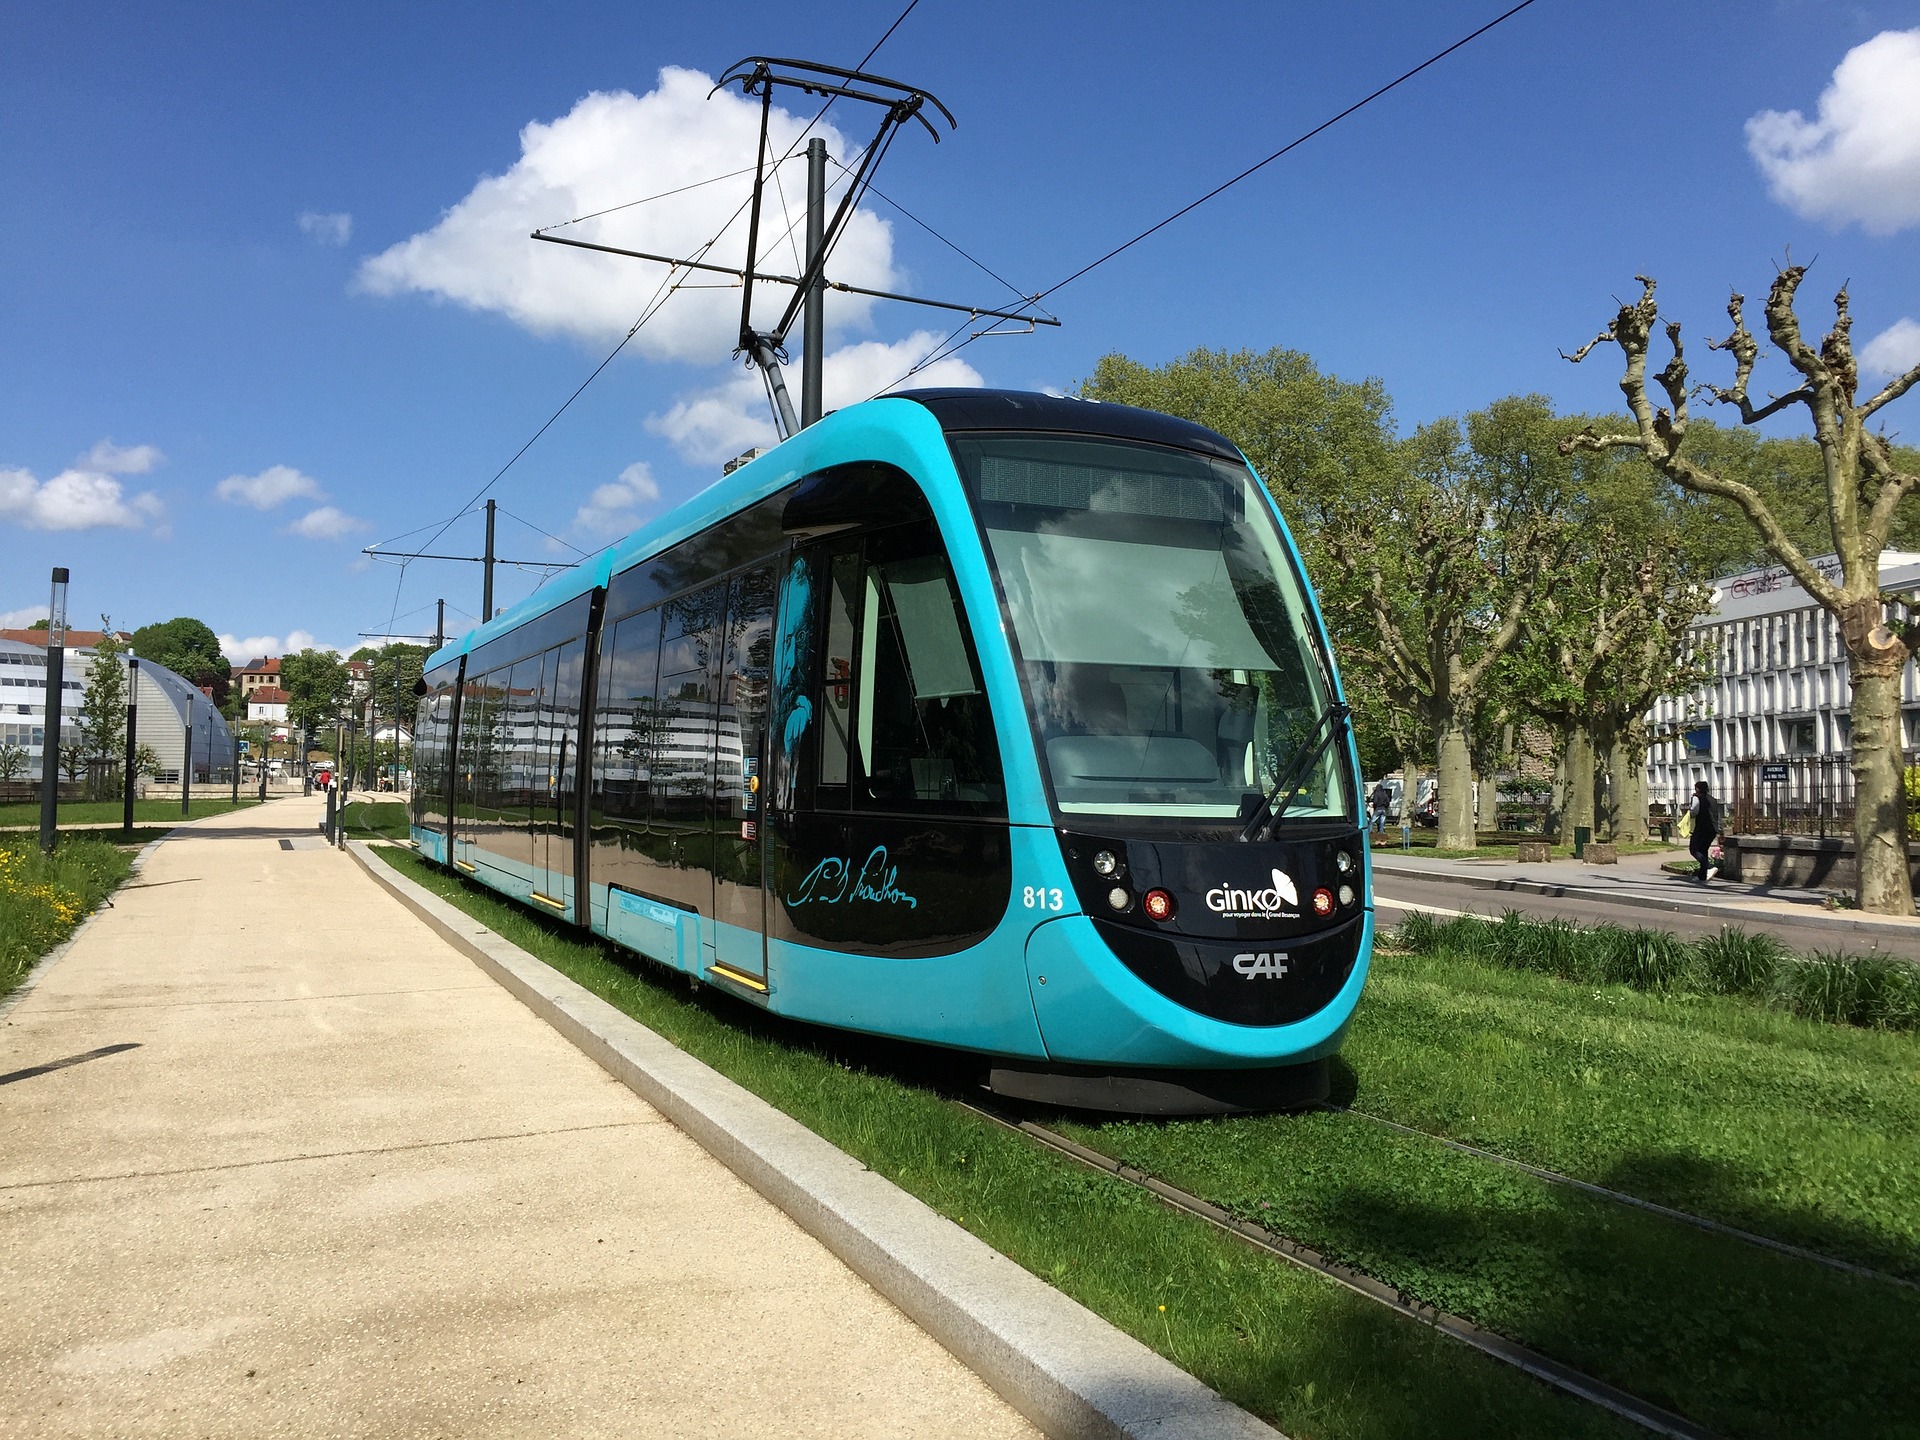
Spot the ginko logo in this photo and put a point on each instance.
(1237, 904)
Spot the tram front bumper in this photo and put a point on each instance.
(1094, 1010)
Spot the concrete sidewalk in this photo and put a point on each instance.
(1639, 882)
(279, 1160)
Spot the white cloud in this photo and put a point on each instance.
(720, 423)
(77, 499)
(23, 617)
(1860, 160)
(114, 459)
(614, 147)
(243, 650)
(1895, 350)
(329, 229)
(326, 523)
(614, 508)
(273, 486)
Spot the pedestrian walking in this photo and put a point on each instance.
(1704, 813)
(1380, 803)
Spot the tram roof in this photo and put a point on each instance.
(955, 410)
(961, 410)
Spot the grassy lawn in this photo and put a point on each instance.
(1799, 1130)
(101, 812)
(376, 819)
(42, 898)
(1805, 1131)
(1289, 1346)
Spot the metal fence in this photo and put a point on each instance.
(1799, 795)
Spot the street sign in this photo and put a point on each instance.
(1773, 774)
(245, 748)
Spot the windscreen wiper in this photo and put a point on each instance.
(1332, 725)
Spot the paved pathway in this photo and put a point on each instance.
(303, 1170)
(1634, 892)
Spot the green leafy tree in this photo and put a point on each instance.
(189, 648)
(1436, 570)
(103, 705)
(317, 686)
(13, 762)
(1311, 436)
(146, 761)
(1865, 481)
(395, 674)
(73, 759)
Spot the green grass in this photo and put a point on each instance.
(1289, 1346)
(1871, 990)
(1801, 1131)
(42, 898)
(101, 812)
(382, 819)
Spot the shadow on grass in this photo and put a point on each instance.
(1738, 1338)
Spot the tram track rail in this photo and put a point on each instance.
(1545, 1368)
(1588, 1187)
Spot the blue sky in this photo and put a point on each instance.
(208, 405)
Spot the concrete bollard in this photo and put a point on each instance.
(1535, 852)
(1600, 853)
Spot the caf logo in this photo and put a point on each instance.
(1255, 965)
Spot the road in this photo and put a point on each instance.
(1394, 895)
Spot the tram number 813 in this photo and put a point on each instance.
(1039, 897)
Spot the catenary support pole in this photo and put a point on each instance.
(50, 726)
(486, 571)
(186, 765)
(234, 735)
(814, 342)
(133, 727)
(439, 623)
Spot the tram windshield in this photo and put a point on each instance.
(1165, 642)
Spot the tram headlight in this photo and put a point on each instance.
(1158, 904)
(1106, 865)
(1343, 862)
(1346, 894)
(1120, 898)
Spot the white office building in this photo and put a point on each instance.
(167, 705)
(1779, 689)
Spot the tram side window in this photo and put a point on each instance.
(907, 721)
(626, 721)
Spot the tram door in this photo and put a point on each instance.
(746, 678)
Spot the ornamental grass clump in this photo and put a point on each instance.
(43, 897)
(1737, 963)
(1873, 991)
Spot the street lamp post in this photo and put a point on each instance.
(50, 728)
(133, 720)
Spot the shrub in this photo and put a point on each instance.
(1867, 990)
(1737, 963)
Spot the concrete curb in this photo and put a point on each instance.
(1831, 922)
(59, 952)
(1060, 1365)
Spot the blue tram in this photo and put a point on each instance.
(996, 721)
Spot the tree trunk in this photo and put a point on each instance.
(1579, 762)
(1456, 782)
(1879, 791)
(1629, 792)
(1554, 826)
(1488, 791)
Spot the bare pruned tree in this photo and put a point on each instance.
(1864, 489)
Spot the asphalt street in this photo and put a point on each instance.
(1394, 895)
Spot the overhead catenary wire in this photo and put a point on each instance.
(660, 296)
(947, 348)
(1291, 145)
